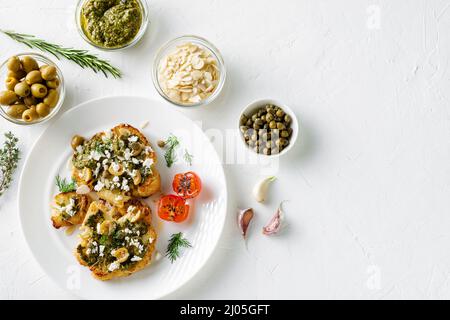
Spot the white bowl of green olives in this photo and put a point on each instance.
(268, 127)
(32, 90)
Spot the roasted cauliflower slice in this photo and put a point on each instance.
(69, 209)
(116, 242)
(120, 161)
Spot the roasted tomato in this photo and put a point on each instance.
(187, 185)
(173, 208)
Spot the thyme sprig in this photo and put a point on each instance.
(176, 242)
(9, 158)
(171, 144)
(81, 57)
(65, 186)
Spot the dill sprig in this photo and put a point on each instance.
(171, 144)
(9, 158)
(176, 242)
(188, 157)
(81, 57)
(65, 186)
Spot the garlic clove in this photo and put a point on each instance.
(244, 218)
(260, 189)
(275, 224)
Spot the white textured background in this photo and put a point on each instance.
(369, 183)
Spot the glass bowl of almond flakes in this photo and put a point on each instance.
(189, 71)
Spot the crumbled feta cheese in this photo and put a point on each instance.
(127, 154)
(108, 134)
(101, 249)
(116, 179)
(136, 258)
(148, 149)
(79, 149)
(148, 162)
(114, 266)
(99, 186)
(133, 139)
(115, 166)
(95, 155)
(135, 161)
(98, 228)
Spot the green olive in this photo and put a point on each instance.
(19, 75)
(76, 141)
(39, 91)
(16, 110)
(52, 98)
(13, 64)
(30, 115)
(30, 101)
(29, 64)
(22, 89)
(33, 77)
(48, 72)
(272, 124)
(53, 84)
(10, 83)
(42, 109)
(8, 97)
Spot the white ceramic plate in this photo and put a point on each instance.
(50, 156)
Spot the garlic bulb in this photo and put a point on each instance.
(261, 188)
(276, 223)
(244, 218)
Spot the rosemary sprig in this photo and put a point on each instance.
(9, 158)
(188, 157)
(65, 186)
(171, 144)
(81, 57)
(176, 242)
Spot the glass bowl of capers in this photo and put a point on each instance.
(268, 127)
(32, 90)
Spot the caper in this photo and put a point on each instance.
(14, 64)
(42, 109)
(256, 126)
(16, 110)
(266, 151)
(284, 134)
(243, 128)
(283, 142)
(272, 124)
(22, 89)
(280, 113)
(254, 137)
(30, 101)
(249, 123)
(29, 64)
(287, 118)
(33, 77)
(8, 97)
(263, 118)
(76, 141)
(254, 117)
(280, 126)
(259, 122)
(48, 72)
(10, 83)
(278, 143)
(243, 120)
(39, 91)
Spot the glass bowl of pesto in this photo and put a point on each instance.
(192, 66)
(112, 24)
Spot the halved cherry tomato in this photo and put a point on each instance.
(187, 185)
(173, 208)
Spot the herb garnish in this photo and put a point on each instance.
(9, 157)
(188, 157)
(65, 186)
(176, 242)
(171, 144)
(81, 57)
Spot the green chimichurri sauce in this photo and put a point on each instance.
(111, 23)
